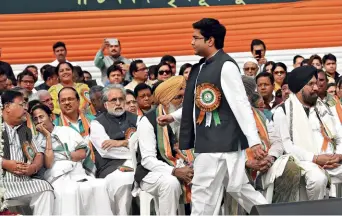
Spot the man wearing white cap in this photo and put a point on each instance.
(250, 67)
(104, 62)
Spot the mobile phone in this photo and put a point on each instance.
(258, 53)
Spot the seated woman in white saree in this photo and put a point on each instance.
(69, 168)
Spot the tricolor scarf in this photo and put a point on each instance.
(31, 125)
(84, 131)
(140, 112)
(164, 147)
(260, 121)
(333, 101)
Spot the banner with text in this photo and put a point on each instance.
(45, 6)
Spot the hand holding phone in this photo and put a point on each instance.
(258, 54)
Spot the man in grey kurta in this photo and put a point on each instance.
(104, 62)
(22, 159)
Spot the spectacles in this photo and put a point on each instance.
(161, 72)
(250, 68)
(143, 69)
(66, 100)
(28, 82)
(279, 73)
(115, 100)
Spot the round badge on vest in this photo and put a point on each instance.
(208, 99)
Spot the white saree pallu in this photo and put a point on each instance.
(77, 193)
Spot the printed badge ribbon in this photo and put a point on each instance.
(208, 99)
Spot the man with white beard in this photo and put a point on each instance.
(250, 67)
(164, 170)
(110, 134)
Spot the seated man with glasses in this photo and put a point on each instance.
(144, 98)
(22, 158)
(28, 118)
(139, 72)
(110, 134)
(26, 80)
(131, 102)
(71, 116)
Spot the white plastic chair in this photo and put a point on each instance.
(336, 187)
(145, 203)
(145, 197)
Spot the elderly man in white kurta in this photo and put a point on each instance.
(309, 131)
(110, 133)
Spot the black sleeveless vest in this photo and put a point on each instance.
(115, 127)
(227, 136)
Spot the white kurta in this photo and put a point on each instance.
(159, 181)
(315, 178)
(76, 192)
(37, 193)
(226, 169)
(118, 182)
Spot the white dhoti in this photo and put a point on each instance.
(166, 188)
(119, 186)
(41, 203)
(213, 172)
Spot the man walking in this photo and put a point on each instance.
(218, 122)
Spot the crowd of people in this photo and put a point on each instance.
(70, 144)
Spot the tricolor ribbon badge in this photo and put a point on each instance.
(208, 99)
